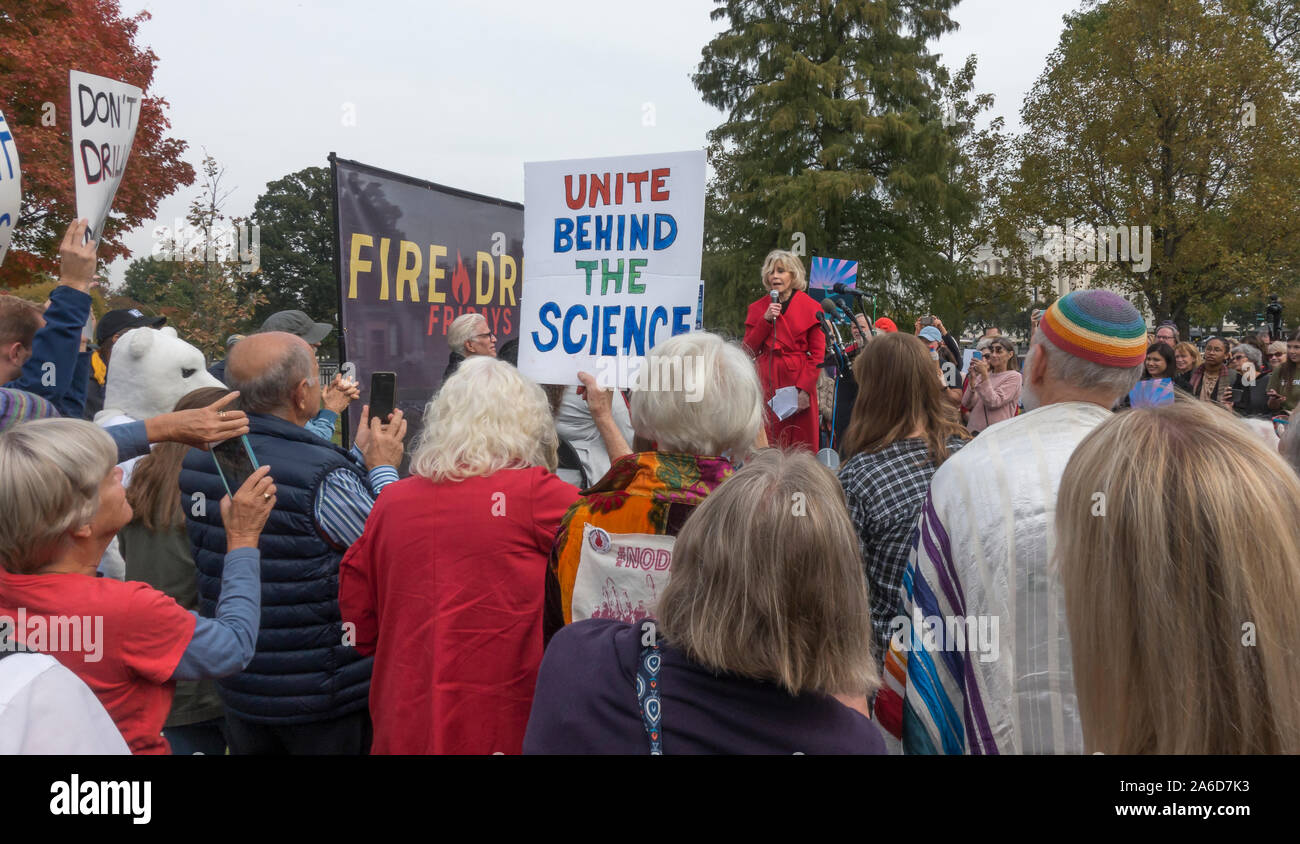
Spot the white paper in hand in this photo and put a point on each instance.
(785, 402)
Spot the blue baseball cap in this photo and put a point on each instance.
(932, 334)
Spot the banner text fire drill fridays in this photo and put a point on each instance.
(613, 251)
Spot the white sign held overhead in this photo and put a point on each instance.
(105, 114)
(11, 186)
(612, 251)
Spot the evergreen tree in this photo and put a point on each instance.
(832, 145)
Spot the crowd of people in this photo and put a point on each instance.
(1015, 556)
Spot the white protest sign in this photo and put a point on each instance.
(11, 186)
(612, 252)
(105, 114)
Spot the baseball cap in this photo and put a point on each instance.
(297, 322)
(932, 334)
(886, 324)
(122, 319)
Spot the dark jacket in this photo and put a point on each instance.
(453, 363)
(1251, 401)
(58, 370)
(301, 672)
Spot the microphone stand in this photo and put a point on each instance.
(841, 365)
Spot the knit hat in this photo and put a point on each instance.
(886, 324)
(1098, 326)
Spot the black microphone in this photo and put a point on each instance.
(844, 290)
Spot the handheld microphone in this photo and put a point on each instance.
(775, 296)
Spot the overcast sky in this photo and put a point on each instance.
(463, 93)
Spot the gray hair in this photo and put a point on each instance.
(771, 591)
(701, 396)
(272, 388)
(1249, 351)
(486, 417)
(1084, 374)
(52, 469)
(461, 330)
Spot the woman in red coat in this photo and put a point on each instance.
(788, 345)
(446, 585)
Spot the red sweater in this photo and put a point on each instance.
(788, 354)
(446, 587)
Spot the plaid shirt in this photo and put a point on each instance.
(885, 491)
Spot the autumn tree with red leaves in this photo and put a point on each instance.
(40, 41)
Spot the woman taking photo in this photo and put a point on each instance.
(993, 388)
(761, 643)
(1183, 641)
(902, 428)
(446, 584)
(786, 341)
(60, 505)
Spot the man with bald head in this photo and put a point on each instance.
(306, 690)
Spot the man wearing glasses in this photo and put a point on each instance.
(468, 335)
(1167, 334)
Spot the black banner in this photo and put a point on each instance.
(412, 256)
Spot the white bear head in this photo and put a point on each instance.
(149, 371)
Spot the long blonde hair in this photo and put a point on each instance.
(1184, 611)
(897, 394)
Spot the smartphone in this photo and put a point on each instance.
(383, 395)
(235, 462)
(977, 355)
(927, 320)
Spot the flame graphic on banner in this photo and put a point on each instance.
(460, 281)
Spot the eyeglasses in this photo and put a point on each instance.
(491, 334)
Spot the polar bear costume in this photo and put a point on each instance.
(149, 371)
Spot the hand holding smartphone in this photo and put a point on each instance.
(383, 395)
(235, 462)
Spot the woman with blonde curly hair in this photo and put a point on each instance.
(1182, 614)
(785, 339)
(446, 585)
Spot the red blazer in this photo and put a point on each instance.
(446, 588)
(788, 354)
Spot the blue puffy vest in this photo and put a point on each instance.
(302, 672)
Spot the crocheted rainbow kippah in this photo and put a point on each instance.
(1097, 325)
